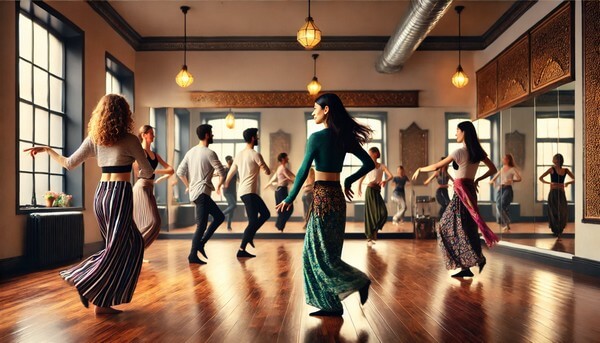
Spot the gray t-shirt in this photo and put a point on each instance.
(198, 166)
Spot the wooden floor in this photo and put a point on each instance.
(412, 299)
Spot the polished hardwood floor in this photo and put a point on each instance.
(412, 299)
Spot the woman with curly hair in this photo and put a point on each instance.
(109, 277)
(328, 279)
(145, 211)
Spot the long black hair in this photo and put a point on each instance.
(348, 131)
(476, 152)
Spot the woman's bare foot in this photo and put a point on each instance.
(106, 310)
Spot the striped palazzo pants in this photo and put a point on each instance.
(145, 211)
(109, 277)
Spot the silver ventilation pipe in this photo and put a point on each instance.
(420, 18)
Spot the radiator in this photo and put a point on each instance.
(54, 238)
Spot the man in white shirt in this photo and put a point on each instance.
(198, 166)
(248, 163)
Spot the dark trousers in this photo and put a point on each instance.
(205, 206)
(231, 205)
(254, 206)
(503, 199)
(282, 217)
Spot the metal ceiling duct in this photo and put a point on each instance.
(420, 18)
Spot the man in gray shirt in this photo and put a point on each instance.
(196, 171)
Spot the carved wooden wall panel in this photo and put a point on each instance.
(513, 73)
(283, 99)
(487, 89)
(280, 142)
(591, 109)
(414, 144)
(552, 49)
(514, 143)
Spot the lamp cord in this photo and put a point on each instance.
(184, 38)
(459, 38)
(309, 8)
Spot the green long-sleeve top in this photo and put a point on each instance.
(329, 157)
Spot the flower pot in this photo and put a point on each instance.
(49, 202)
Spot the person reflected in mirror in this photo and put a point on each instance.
(249, 163)
(458, 237)
(230, 193)
(508, 175)
(281, 179)
(145, 210)
(558, 211)
(398, 197)
(109, 277)
(196, 172)
(441, 194)
(328, 279)
(375, 208)
(307, 194)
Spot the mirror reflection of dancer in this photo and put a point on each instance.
(283, 176)
(458, 235)
(399, 195)
(145, 211)
(375, 208)
(249, 162)
(508, 175)
(441, 194)
(328, 279)
(108, 278)
(196, 172)
(558, 211)
(230, 194)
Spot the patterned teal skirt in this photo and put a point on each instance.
(328, 279)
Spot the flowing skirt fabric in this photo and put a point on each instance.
(145, 211)
(328, 279)
(109, 277)
(375, 211)
(558, 212)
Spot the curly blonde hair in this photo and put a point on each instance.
(111, 120)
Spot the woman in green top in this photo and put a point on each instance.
(328, 279)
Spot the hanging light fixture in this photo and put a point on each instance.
(459, 79)
(230, 120)
(309, 34)
(314, 87)
(184, 78)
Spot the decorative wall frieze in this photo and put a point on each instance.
(487, 89)
(283, 99)
(513, 73)
(591, 110)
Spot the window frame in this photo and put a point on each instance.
(124, 76)
(72, 37)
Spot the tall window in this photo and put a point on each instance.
(485, 131)
(50, 102)
(119, 79)
(229, 141)
(555, 133)
(377, 122)
(182, 145)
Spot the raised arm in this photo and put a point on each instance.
(167, 170)
(301, 176)
(571, 176)
(491, 170)
(386, 171)
(85, 150)
(431, 177)
(517, 177)
(433, 167)
(367, 166)
(541, 178)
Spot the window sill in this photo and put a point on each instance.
(44, 209)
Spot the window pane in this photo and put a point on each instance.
(25, 122)
(56, 183)
(56, 129)
(41, 126)
(545, 152)
(25, 189)
(484, 187)
(312, 127)
(220, 131)
(542, 188)
(108, 83)
(40, 46)
(566, 149)
(452, 125)
(56, 56)
(566, 128)
(25, 37)
(483, 128)
(41, 187)
(25, 160)
(41, 163)
(177, 132)
(487, 147)
(25, 85)
(55, 167)
(56, 94)
(40, 92)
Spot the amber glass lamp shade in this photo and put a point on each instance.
(460, 79)
(230, 121)
(314, 87)
(309, 34)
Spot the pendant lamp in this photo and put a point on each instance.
(459, 79)
(184, 78)
(309, 34)
(314, 87)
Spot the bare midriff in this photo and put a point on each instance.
(326, 176)
(557, 186)
(115, 177)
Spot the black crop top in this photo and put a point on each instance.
(329, 157)
(557, 178)
(153, 162)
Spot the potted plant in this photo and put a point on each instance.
(63, 200)
(50, 197)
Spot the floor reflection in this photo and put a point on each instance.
(469, 323)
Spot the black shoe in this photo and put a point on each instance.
(323, 313)
(195, 259)
(84, 300)
(244, 254)
(201, 250)
(364, 293)
(481, 265)
(464, 273)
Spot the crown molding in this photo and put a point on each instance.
(288, 43)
